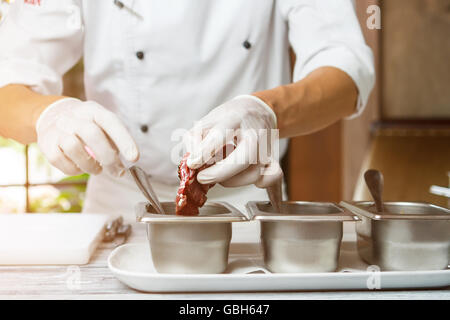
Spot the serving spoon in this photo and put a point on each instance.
(143, 183)
(374, 180)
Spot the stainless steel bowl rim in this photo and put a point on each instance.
(357, 208)
(341, 214)
(233, 215)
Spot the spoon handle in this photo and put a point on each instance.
(374, 180)
(275, 196)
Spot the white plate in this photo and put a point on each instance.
(132, 264)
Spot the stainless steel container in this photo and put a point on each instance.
(189, 244)
(408, 236)
(305, 237)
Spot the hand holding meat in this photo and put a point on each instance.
(78, 137)
(246, 123)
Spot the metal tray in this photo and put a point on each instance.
(189, 244)
(408, 236)
(305, 237)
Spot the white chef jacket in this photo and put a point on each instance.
(162, 65)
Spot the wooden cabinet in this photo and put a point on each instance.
(416, 53)
(412, 54)
(324, 166)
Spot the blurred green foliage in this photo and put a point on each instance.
(8, 143)
(69, 200)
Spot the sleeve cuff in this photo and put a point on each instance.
(342, 58)
(36, 76)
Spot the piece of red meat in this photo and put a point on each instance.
(191, 195)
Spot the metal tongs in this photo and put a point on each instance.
(115, 229)
(143, 182)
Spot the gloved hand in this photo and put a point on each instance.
(245, 122)
(78, 136)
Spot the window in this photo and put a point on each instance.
(28, 183)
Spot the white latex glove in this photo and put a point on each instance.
(78, 136)
(245, 122)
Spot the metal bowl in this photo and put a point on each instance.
(305, 237)
(408, 236)
(189, 244)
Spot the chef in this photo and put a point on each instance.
(164, 74)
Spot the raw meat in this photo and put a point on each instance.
(191, 195)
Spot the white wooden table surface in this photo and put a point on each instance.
(95, 281)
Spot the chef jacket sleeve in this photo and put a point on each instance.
(40, 40)
(327, 33)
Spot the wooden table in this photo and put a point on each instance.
(95, 281)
